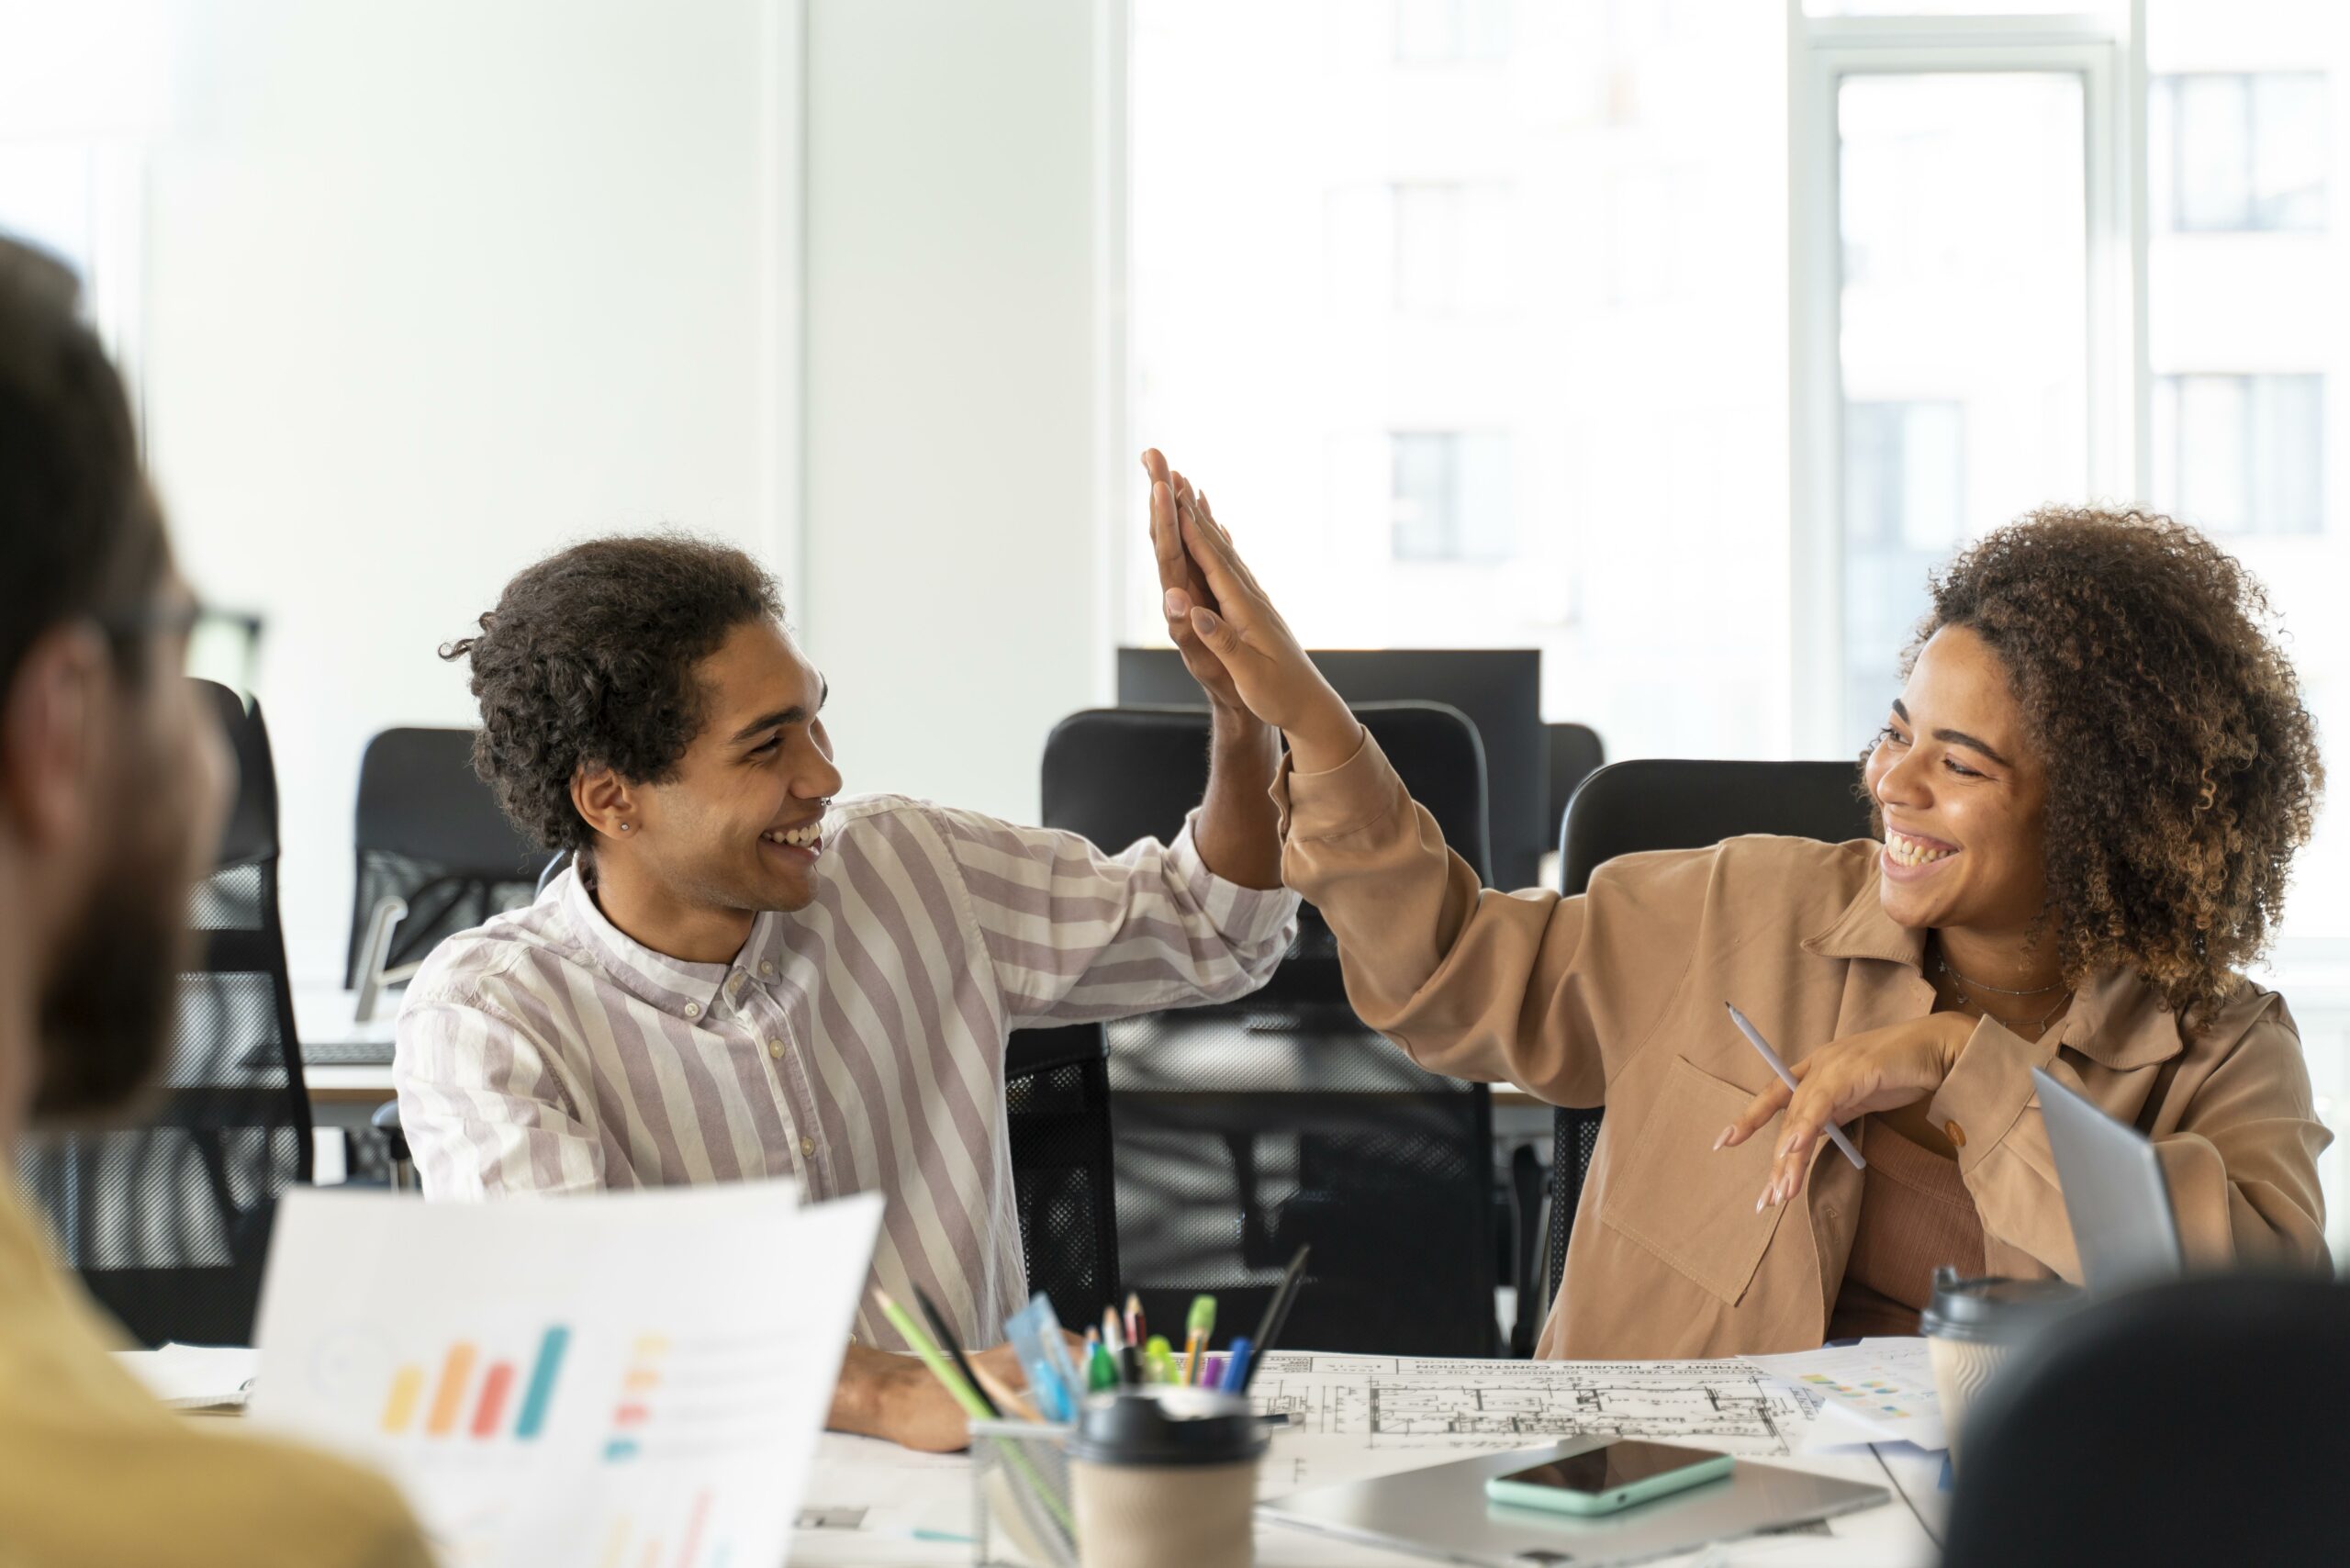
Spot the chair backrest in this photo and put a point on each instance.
(168, 1220)
(1116, 775)
(1243, 1133)
(430, 833)
(1057, 1105)
(1649, 803)
(2199, 1421)
(1576, 752)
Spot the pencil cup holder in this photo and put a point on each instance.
(1023, 1514)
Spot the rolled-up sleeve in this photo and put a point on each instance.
(1075, 935)
(483, 1105)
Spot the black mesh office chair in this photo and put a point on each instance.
(1663, 803)
(1057, 1105)
(430, 834)
(2199, 1421)
(1244, 1132)
(168, 1221)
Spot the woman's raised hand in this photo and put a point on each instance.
(1236, 627)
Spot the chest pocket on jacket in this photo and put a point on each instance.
(1686, 1201)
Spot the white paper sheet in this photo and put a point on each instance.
(193, 1377)
(1882, 1390)
(629, 1377)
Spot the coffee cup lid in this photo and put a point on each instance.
(1992, 1309)
(1168, 1425)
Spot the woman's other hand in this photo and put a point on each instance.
(1879, 1070)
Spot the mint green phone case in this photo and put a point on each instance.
(1558, 1499)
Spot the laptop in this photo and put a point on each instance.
(2114, 1193)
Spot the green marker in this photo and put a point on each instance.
(1195, 1343)
(1158, 1360)
(1101, 1371)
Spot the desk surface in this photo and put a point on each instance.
(881, 1508)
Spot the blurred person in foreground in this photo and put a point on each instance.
(112, 787)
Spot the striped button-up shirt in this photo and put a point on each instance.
(857, 1044)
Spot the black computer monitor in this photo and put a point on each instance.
(1499, 689)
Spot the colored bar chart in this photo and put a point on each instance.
(453, 1382)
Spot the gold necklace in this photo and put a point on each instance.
(1959, 985)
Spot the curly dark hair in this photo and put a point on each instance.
(588, 659)
(2184, 768)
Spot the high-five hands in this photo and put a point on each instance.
(1880, 1069)
(1180, 580)
(1220, 617)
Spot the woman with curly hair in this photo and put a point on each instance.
(2088, 793)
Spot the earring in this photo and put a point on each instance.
(623, 827)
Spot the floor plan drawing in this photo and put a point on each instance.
(1410, 1403)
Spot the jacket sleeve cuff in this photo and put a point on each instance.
(1342, 799)
(1989, 1090)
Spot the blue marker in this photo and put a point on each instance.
(1235, 1365)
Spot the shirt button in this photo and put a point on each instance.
(775, 1050)
(766, 971)
(693, 1008)
(1957, 1134)
(807, 1148)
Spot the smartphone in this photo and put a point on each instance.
(1603, 1480)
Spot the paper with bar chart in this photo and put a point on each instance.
(612, 1381)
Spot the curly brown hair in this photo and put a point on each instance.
(2183, 767)
(587, 660)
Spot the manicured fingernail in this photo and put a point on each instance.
(1203, 619)
(1725, 1135)
(1760, 1201)
(1177, 605)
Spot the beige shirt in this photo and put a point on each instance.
(94, 1473)
(1615, 998)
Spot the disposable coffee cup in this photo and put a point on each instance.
(1165, 1477)
(1972, 1326)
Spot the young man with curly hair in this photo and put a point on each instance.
(96, 865)
(2089, 791)
(744, 973)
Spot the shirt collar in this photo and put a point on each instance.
(2116, 1018)
(687, 990)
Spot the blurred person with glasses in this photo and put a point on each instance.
(114, 785)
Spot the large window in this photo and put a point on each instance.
(1478, 320)
(1470, 315)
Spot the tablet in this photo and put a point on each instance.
(1443, 1512)
(2114, 1193)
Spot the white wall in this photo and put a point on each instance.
(431, 289)
(955, 595)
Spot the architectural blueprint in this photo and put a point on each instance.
(1403, 1402)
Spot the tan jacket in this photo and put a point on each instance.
(1615, 999)
(94, 1471)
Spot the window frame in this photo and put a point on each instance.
(1823, 52)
